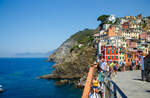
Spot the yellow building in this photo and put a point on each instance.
(130, 17)
(121, 54)
(124, 44)
(133, 26)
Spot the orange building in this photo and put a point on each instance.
(132, 56)
(111, 31)
(129, 57)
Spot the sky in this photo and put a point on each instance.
(43, 25)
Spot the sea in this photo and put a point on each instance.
(20, 79)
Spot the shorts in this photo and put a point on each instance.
(95, 87)
(115, 68)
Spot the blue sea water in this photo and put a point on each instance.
(19, 77)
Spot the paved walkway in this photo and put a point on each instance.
(131, 84)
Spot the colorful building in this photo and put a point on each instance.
(110, 53)
(111, 31)
(125, 25)
(129, 57)
(130, 34)
(121, 54)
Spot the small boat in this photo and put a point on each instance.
(1, 89)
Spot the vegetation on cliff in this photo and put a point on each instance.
(74, 56)
(102, 18)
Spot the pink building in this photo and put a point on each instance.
(131, 43)
(143, 35)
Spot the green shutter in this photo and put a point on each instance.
(112, 57)
(116, 57)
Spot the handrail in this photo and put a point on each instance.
(87, 86)
(115, 89)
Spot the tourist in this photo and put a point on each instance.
(99, 65)
(142, 67)
(139, 64)
(111, 66)
(101, 81)
(109, 69)
(123, 65)
(134, 67)
(103, 65)
(101, 91)
(115, 68)
(133, 64)
(100, 76)
(95, 83)
(93, 94)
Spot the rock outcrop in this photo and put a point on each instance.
(73, 57)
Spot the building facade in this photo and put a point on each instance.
(110, 53)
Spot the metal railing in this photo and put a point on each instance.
(112, 89)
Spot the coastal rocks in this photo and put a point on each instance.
(57, 76)
(62, 51)
(61, 82)
(73, 57)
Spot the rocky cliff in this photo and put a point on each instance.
(74, 56)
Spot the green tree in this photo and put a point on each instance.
(102, 18)
(148, 17)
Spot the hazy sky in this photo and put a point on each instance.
(43, 25)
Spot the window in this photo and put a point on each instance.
(107, 51)
(112, 57)
(116, 57)
(108, 57)
(116, 51)
(112, 51)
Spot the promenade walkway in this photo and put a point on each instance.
(131, 84)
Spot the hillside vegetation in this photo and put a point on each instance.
(74, 56)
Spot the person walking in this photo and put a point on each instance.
(123, 65)
(134, 68)
(139, 65)
(101, 82)
(111, 66)
(115, 68)
(142, 67)
(133, 63)
(100, 76)
(103, 65)
(95, 83)
(94, 94)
